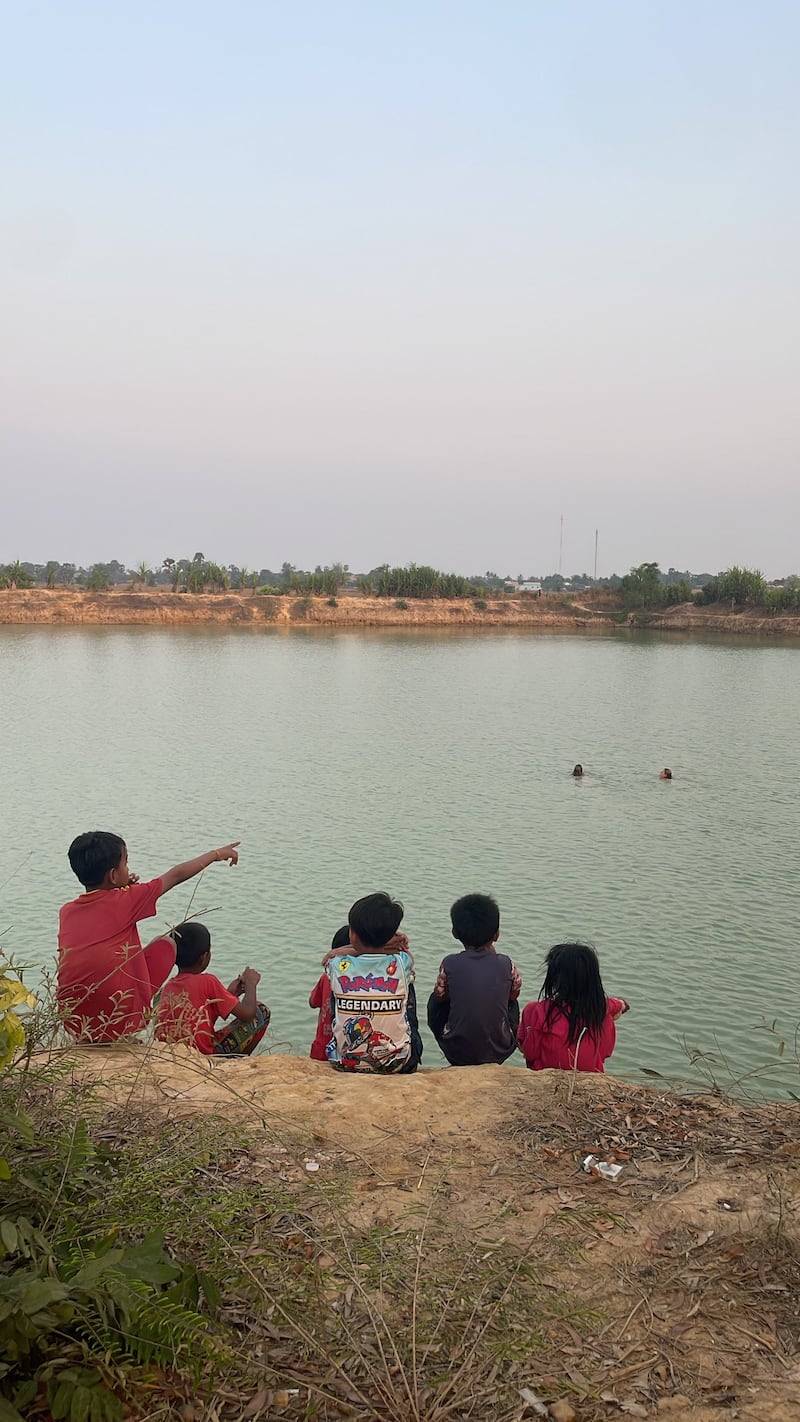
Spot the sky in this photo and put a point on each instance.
(370, 281)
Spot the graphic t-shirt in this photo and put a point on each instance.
(103, 980)
(369, 1010)
(189, 1005)
(545, 1044)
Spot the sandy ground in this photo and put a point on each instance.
(690, 1258)
(159, 607)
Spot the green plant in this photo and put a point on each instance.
(98, 579)
(401, 604)
(480, 604)
(13, 994)
(332, 602)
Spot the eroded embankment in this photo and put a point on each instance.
(157, 607)
(161, 608)
(669, 1291)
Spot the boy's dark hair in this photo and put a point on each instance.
(192, 940)
(92, 855)
(341, 938)
(375, 919)
(475, 920)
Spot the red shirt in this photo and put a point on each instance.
(321, 998)
(189, 1005)
(103, 978)
(545, 1045)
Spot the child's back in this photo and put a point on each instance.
(473, 1010)
(373, 1005)
(479, 1028)
(571, 1027)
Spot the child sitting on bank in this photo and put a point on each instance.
(106, 980)
(573, 1021)
(321, 999)
(373, 1006)
(473, 1010)
(192, 1001)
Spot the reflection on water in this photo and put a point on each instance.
(431, 765)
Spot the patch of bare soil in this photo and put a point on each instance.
(670, 1291)
(160, 607)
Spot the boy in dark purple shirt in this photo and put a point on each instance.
(473, 1011)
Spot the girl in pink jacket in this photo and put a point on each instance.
(573, 1019)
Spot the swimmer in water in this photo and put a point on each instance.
(578, 771)
(665, 774)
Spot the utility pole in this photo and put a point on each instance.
(595, 555)
(560, 544)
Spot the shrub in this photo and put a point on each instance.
(401, 604)
(332, 602)
(480, 604)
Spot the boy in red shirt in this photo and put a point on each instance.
(106, 980)
(321, 998)
(191, 1002)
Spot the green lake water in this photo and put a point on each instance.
(432, 764)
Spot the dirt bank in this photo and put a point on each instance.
(671, 1291)
(158, 607)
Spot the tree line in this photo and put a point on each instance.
(644, 587)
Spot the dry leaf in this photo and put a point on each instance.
(258, 1402)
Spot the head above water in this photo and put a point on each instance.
(192, 946)
(374, 920)
(476, 920)
(574, 987)
(99, 860)
(578, 771)
(666, 774)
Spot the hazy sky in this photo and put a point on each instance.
(382, 280)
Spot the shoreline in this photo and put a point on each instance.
(156, 607)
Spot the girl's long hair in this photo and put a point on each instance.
(573, 986)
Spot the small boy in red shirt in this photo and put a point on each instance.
(192, 1001)
(106, 980)
(321, 998)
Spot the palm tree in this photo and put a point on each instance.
(141, 574)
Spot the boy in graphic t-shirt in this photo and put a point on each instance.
(192, 1001)
(373, 1007)
(106, 980)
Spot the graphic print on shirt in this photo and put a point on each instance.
(368, 1006)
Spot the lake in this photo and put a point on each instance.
(433, 764)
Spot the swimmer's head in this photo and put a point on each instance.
(578, 771)
(665, 774)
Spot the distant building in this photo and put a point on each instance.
(530, 587)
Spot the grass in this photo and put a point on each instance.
(346, 1293)
(300, 1298)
